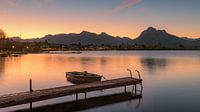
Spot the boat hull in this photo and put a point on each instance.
(3, 55)
(79, 79)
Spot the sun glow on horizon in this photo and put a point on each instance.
(127, 18)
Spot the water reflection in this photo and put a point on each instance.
(153, 64)
(180, 69)
(2, 66)
(88, 103)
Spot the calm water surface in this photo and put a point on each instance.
(171, 78)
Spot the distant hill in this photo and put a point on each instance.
(84, 38)
(152, 36)
(149, 37)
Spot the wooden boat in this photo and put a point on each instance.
(15, 55)
(82, 77)
(78, 52)
(4, 54)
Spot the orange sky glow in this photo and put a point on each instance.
(124, 18)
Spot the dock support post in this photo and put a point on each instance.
(76, 96)
(125, 89)
(31, 106)
(135, 89)
(31, 90)
(141, 88)
(85, 95)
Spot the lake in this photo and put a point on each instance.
(171, 79)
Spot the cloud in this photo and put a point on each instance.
(2, 14)
(11, 3)
(41, 3)
(143, 10)
(14, 3)
(124, 5)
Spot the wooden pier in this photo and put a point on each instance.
(45, 94)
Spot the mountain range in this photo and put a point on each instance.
(149, 37)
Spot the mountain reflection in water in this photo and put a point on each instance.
(154, 63)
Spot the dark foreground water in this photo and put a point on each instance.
(171, 80)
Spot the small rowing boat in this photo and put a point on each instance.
(82, 77)
(4, 54)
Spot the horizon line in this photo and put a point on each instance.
(99, 33)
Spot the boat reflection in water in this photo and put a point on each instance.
(87, 103)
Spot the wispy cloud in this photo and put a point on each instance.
(11, 3)
(41, 3)
(124, 5)
(2, 14)
(14, 3)
(143, 10)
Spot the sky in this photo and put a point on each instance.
(124, 18)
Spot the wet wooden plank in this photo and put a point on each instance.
(44, 94)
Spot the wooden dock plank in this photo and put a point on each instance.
(44, 94)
